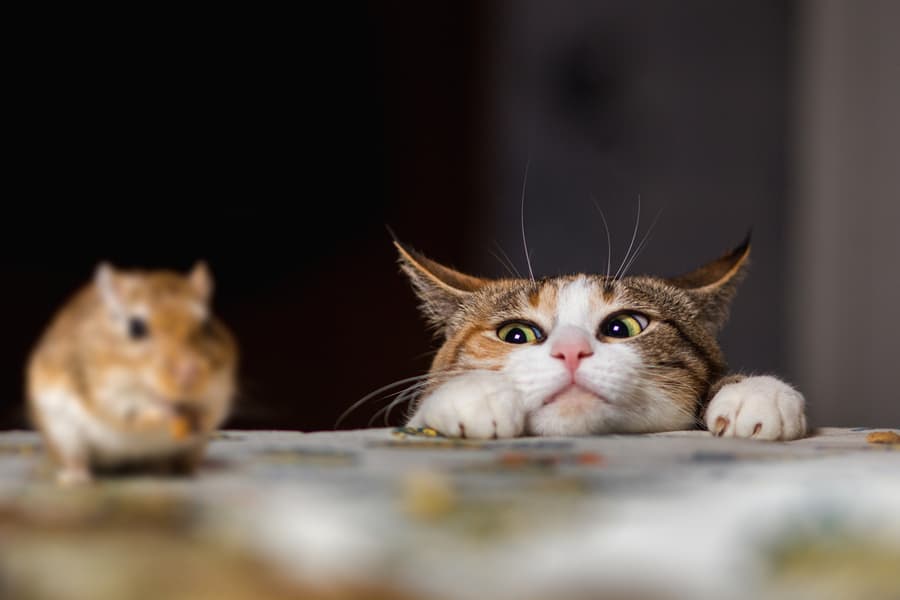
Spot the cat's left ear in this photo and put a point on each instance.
(713, 285)
(442, 290)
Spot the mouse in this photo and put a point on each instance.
(134, 371)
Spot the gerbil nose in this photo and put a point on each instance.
(570, 345)
(185, 371)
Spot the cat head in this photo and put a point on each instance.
(587, 353)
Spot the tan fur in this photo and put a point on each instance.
(679, 349)
(182, 374)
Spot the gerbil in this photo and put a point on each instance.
(134, 371)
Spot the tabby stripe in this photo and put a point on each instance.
(699, 350)
(699, 381)
(681, 365)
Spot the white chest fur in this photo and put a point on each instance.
(76, 431)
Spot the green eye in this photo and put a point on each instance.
(520, 333)
(624, 325)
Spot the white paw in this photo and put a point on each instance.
(481, 404)
(763, 408)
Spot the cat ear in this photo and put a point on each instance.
(714, 284)
(441, 289)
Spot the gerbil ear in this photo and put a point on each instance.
(201, 279)
(105, 282)
(714, 284)
(441, 289)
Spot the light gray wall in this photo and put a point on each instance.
(783, 116)
(845, 331)
(683, 104)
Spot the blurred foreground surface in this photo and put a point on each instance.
(382, 514)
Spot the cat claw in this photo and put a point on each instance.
(722, 424)
(763, 408)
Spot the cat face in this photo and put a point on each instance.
(586, 353)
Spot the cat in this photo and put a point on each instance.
(589, 354)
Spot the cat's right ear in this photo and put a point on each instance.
(440, 289)
(714, 284)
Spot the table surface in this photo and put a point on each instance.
(380, 513)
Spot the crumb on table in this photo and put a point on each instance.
(883, 437)
(403, 432)
(180, 427)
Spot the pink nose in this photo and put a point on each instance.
(570, 346)
(185, 371)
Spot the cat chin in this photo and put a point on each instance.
(574, 400)
(572, 411)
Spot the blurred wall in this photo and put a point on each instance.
(683, 104)
(845, 248)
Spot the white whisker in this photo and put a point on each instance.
(642, 243)
(400, 396)
(411, 382)
(410, 395)
(522, 218)
(504, 260)
(500, 260)
(608, 238)
(371, 395)
(637, 223)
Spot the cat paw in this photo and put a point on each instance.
(763, 408)
(475, 405)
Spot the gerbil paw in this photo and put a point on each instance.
(73, 476)
(150, 417)
(475, 405)
(763, 408)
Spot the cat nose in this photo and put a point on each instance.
(570, 345)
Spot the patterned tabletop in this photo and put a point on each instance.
(389, 513)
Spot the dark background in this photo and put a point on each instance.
(278, 147)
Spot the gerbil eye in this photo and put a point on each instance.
(520, 333)
(624, 325)
(137, 328)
